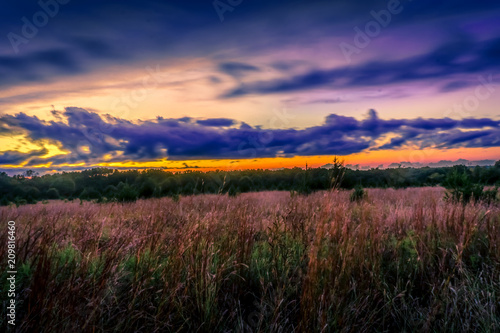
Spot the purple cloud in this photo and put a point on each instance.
(90, 137)
(460, 58)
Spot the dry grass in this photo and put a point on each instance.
(399, 260)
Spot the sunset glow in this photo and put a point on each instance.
(249, 87)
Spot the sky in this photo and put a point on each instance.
(239, 84)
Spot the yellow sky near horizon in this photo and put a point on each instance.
(373, 158)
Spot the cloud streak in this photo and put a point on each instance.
(459, 58)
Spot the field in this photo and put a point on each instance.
(395, 261)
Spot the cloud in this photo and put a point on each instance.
(216, 122)
(456, 85)
(464, 57)
(14, 157)
(192, 29)
(91, 138)
(257, 35)
(37, 66)
(237, 69)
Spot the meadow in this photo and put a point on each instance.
(396, 260)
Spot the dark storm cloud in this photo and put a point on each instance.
(91, 137)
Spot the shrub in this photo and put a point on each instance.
(233, 191)
(126, 193)
(110, 191)
(52, 193)
(246, 184)
(461, 188)
(20, 201)
(358, 194)
(175, 197)
(490, 196)
(170, 186)
(147, 189)
(90, 193)
(65, 185)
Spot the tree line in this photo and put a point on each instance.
(105, 184)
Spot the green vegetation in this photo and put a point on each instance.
(108, 185)
(358, 193)
(461, 187)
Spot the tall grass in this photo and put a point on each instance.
(399, 260)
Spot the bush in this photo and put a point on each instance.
(110, 191)
(358, 194)
(90, 193)
(233, 191)
(147, 189)
(169, 186)
(246, 184)
(461, 188)
(175, 197)
(20, 201)
(126, 193)
(52, 193)
(65, 185)
(490, 196)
